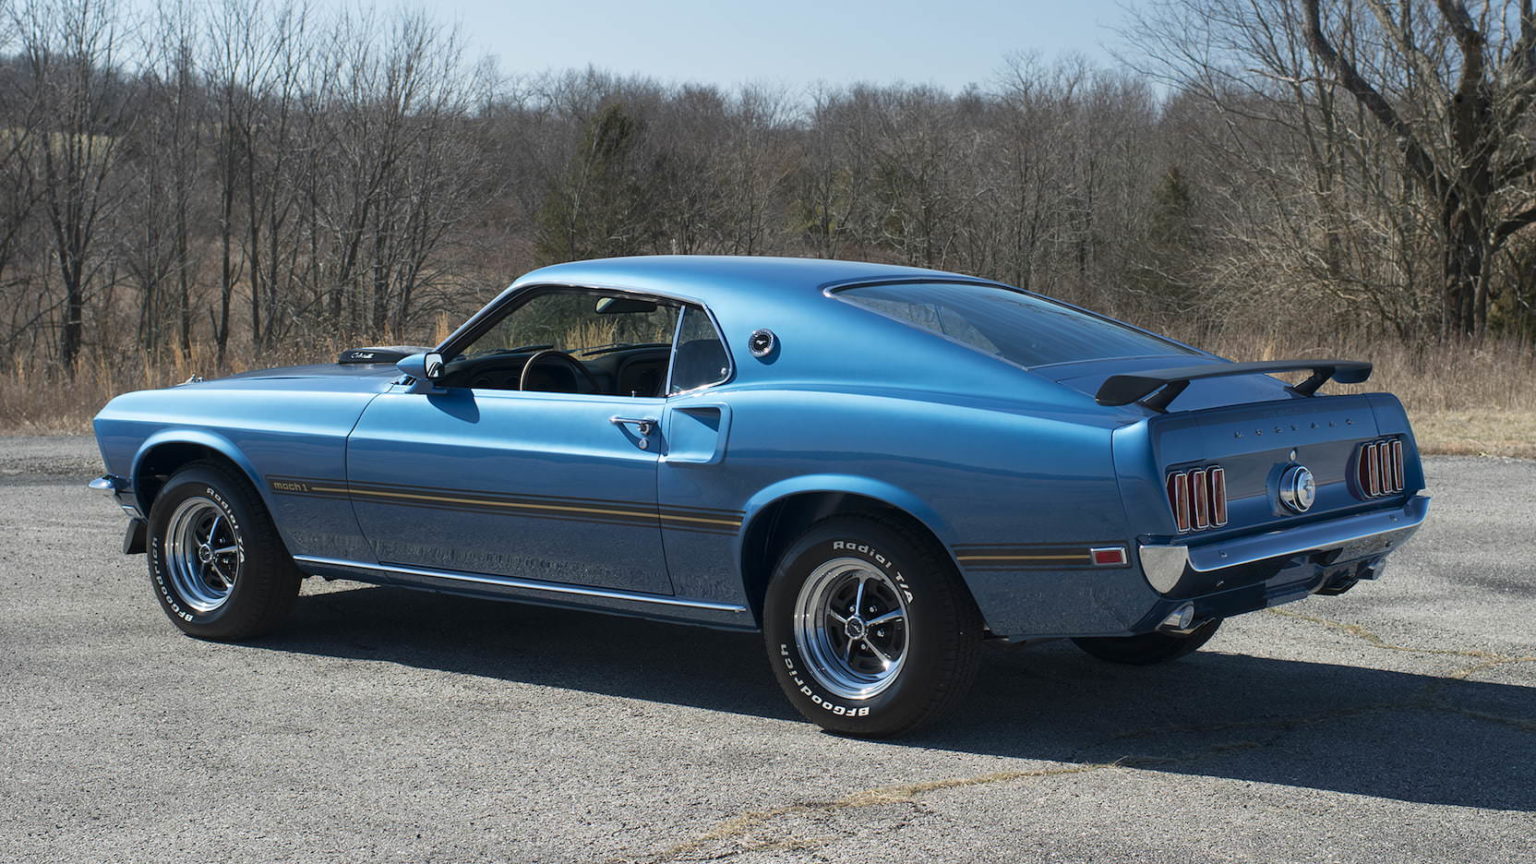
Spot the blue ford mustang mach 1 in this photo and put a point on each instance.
(876, 466)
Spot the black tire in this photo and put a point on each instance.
(1149, 648)
(262, 579)
(939, 637)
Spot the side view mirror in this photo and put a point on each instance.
(422, 367)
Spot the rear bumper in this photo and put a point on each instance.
(1217, 578)
(1186, 569)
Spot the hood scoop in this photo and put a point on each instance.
(378, 354)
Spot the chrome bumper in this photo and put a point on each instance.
(1352, 537)
(108, 483)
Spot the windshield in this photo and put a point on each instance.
(1017, 327)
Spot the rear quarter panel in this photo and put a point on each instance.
(977, 472)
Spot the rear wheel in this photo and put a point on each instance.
(1147, 649)
(216, 562)
(870, 633)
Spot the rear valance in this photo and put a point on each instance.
(1128, 388)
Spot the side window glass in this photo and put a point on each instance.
(573, 341)
(699, 357)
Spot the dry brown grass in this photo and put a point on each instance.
(38, 399)
(1469, 399)
(1463, 399)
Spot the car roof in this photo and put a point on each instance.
(719, 279)
(824, 344)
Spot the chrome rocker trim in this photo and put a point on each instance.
(1358, 536)
(522, 584)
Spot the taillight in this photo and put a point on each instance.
(1198, 498)
(1379, 468)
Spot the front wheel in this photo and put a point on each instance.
(1148, 648)
(870, 633)
(219, 569)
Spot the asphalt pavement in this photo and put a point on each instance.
(1396, 723)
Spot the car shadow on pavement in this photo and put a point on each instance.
(1390, 734)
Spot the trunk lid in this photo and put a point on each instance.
(1254, 443)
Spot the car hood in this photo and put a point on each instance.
(323, 370)
(333, 377)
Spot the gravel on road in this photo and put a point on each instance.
(1394, 723)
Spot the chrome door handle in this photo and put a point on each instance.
(643, 425)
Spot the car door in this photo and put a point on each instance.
(549, 486)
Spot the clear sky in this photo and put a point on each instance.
(793, 43)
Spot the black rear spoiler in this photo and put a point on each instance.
(1134, 386)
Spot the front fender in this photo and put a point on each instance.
(196, 437)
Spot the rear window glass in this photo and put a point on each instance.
(1017, 327)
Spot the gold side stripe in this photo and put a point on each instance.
(520, 506)
(1078, 557)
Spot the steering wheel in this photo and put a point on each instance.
(582, 380)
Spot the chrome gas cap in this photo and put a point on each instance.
(1297, 489)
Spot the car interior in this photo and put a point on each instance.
(592, 342)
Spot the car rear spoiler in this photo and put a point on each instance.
(1135, 386)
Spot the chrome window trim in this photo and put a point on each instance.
(730, 361)
(496, 393)
(677, 334)
(524, 584)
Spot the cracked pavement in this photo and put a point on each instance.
(1394, 723)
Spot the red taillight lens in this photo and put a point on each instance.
(1198, 498)
(1218, 480)
(1201, 499)
(1379, 468)
(1178, 498)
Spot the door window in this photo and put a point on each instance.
(594, 342)
(573, 341)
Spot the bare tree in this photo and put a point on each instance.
(1411, 119)
(18, 192)
(1466, 143)
(157, 242)
(73, 87)
(390, 114)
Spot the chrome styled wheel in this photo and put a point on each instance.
(202, 554)
(851, 626)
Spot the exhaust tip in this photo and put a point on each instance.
(1179, 619)
(1372, 570)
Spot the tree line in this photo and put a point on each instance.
(247, 175)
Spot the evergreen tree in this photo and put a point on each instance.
(1166, 265)
(599, 208)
